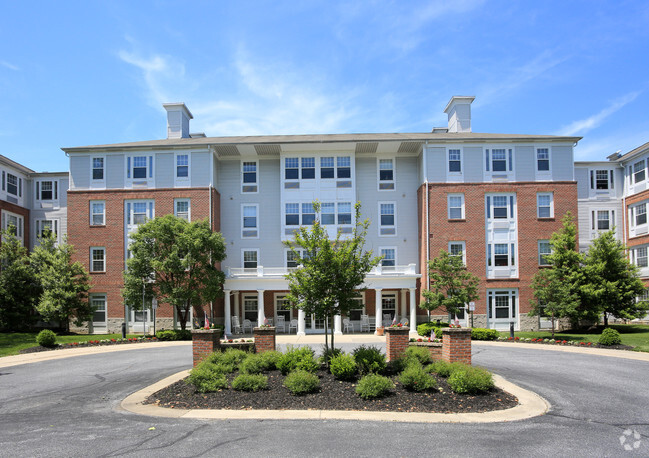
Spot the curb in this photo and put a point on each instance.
(530, 405)
(625, 354)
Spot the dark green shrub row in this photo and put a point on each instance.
(302, 382)
(369, 359)
(610, 337)
(297, 358)
(250, 382)
(470, 380)
(424, 328)
(484, 334)
(373, 386)
(174, 334)
(442, 368)
(256, 363)
(343, 367)
(46, 338)
(207, 377)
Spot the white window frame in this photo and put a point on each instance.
(245, 184)
(488, 155)
(298, 168)
(462, 244)
(249, 296)
(388, 185)
(243, 256)
(93, 180)
(536, 160)
(189, 208)
(388, 227)
(342, 167)
(513, 305)
(18, 185)
(20, 224)
(595, 219)
(99, 296)
(103, 213)
(635, 213)
(299, 213)
(182, 181)
(642, 170)
(462, 206)
(249, 229)
(538, 205)
(511, 255)
(55, 225)
(609, 180)
(394, 250)
(149, 179)
(351, 214)
(511, 207)
(93, 249)
(636, 257)
(448, 161)
(303, 167)
(38, 185)
(277, 297)
(288, 252)
(542, 254)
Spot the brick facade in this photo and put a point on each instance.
(396, 341)
(456, 345)
(18, 210)
(434, 348)
(204, 343)
(264, 339)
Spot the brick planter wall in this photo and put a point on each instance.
(456, 345)
(396, 341)
(204, 343)
(434, 348)
(264, 339)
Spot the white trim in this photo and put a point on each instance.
(388, 228)
(182, 181)
(538, 207)
(92, 264)
(189, 207)
(256, 182)
(394, 248)
(448, 205)
(55, 224)
(149, 180)
(503, 323)
(38, 189)
(454, 176)
(243, 250)
(539, 254)
(20, 224)
(542, 175)
(99, 324)
(100, 183)
(390, 184)
(103, 213)
(458, 242)
(250, 229)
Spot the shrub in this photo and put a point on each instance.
(369, 359)
(297, 358)
(415, 378)
(484, 334)
(46, 338)
(174, 334)
(253, 364)
(421, 354)
(424, 328)
(269, 359)
(470, 380)
(610, 337)
(207, 377)
(373, 386)
(302, 382)
(442, 368)
(250, 382)
(328, 353)
(343, 367)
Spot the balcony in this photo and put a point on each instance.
(280, 272)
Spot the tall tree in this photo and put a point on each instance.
(174, 261)
(612, 282)
(19, 288)
(451, 284)
(331, 271)
(64, 283)
(558, 288)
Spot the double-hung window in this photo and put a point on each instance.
(327, 167)
(499, 160)
(291, 259)
(344, 213)
(344, 167)
(308, 214)
(544, 250)
(387, 218)
(13, 223)
(456, 206)
(602, 219)
(386, 174)
(249, 176)
(139, 213)
(640, 214)
(12, 184)
(601, 179)
(544, 205)
(98, 304)
(500, 206)
(454, 160)
(97, 212)
(641, 257)
(457, 249)
(98, 168)
(389, 255)
(639, 171)
(291, 168)
(97, 259)
(501, 254)
(249, 221)
(250, 259)
(47, 190)
(182, 166)
(542, 159)
(182, 209)
(139, 167)
(308, 168)
(292, 214)
(328, 213)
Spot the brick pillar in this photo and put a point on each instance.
(204, 343)
(456, 345)
(264, 339)
(396, 341)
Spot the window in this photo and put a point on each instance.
(544, 205)
(250, 259)
(47, 190)
(12, 184)
(601, 179)
(603, 220)
(250, 307)
(97, 212)
(641, 214)
(182, 209)
(386, 174)
(387, 218)
(98, 304)
(500, 206)
(328, 210)
(97, 259)
(544, 250)
(292, 214)
(326, 167)
(457, 249)
(308, 214)
(543, 159)
(389, 257)
(344, 213)
(283, 307)
(291, 168)
(45, 226)
(139, 211)
(638, 171)
(308, 168)
(454, 160)
(501, 255)
(249, 176)
(13, 223)
(182, 166)
(139, 167)
(499, 160)
(456, 206)
(388, 305)
(98, 168)
(291, 259)
(249, 220)
(501, 304)
(641, 257)
(344, 169)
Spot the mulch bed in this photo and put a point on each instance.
(333, 395)
(559, 344)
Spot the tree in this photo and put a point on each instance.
(612, 282)
(19, 289)
(558, 288)
(330, 272)
(452, 285)
(64, 283)
(174, 261)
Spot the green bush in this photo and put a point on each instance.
(373, 386)
(421, 354)
(343, 367)
(302, 382)
(415, 378)
(442, 368)
(470, 380)
(609, 337)
(174, 334)
(46, 338)
(424, 328)
(484, 334)
(207, 377)
(269, 359)
(328, 353)
(259, 362)
(297, 358)
(369, 359)
(250, 382)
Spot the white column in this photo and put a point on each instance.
(378, 309)
(260, 307)
(237, 311)
(403, 304)
(413, 312)
(300, 322)
(338, 325)
(227, 312)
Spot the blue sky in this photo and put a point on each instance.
(91, 72)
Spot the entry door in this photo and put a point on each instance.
(502, 306)
(140, 320)
(250, 308)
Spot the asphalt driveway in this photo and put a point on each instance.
(70, 407)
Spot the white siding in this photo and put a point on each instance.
(79, 172)
(200, 164)
(164, 170)
(581, 175)
(473, 164)
(436, 164)
(562, 163)
(114, 171)
(525, 163)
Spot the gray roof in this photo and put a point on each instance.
(11, 163)
(638, 150)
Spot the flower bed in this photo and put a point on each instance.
(91, 343)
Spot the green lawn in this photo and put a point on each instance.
(11, 343)
(635, 335)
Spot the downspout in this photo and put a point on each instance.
(427, 216)
(210, 220)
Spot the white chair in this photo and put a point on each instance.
(387, 319)
(348, 325)
(404, 321)
(236, 325)
(365, 323)
(280, 324)
(292, 325)
(247, 324)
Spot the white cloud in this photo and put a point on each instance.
(9, 65)
(584, 125)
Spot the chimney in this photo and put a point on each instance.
(459, 113)
(178, 116)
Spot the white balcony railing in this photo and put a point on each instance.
(277, 272)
